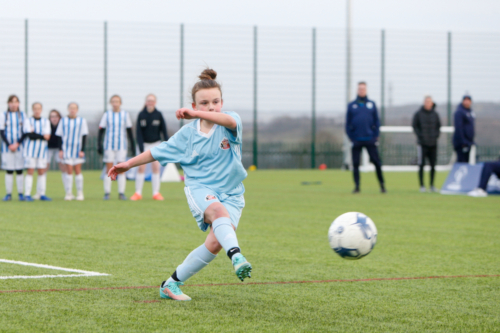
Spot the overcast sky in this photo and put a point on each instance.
(455, 15)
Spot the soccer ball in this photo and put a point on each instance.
(352, 235)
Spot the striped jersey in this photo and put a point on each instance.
(116, 124)
(12, 124)
(71, 132)
(36, 148)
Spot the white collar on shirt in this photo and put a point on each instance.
(206, 135)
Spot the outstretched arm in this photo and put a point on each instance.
(141, 159)
(218, 118)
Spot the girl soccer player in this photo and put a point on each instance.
(37, 131)
(73, 131)
(116, 124)
(209, 151)
(150, 128)
(54, 144)
(11, 130)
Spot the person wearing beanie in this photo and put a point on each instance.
(463, 138)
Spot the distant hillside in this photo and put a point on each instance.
(331, 129)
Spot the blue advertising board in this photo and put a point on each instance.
(465, 177)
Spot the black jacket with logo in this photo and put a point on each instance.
(150, 127)
(426, 125)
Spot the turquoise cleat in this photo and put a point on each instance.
(28, 198)
(171, 290)
(242, 267)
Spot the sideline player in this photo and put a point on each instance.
(54, 144)
(362, 127)
(37, 131)
(150, 128)
(73, 131)
(489, 168)
(117, 125)
(209, 151)
(11, 130)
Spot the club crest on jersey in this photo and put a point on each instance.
(224, 144)
(210, 197)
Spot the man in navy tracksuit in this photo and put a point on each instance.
(362, 128)
(463, 138)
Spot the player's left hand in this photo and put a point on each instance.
(118, 169)
(185, 113)
(81, 154)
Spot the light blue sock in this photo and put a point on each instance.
(194, 262)
(224, 232)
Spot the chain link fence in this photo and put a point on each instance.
(288, 84)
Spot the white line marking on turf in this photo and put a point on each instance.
(81, 272)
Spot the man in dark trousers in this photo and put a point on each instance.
(489, 168)
(362, 127)
(426, 125)
(463, 138)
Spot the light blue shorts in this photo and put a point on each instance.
(200, 197)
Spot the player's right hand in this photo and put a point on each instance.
(118, 169)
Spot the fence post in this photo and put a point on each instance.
(26, 66)
(313, 128)
(255, 141)
(181, 93)
(105, 65)
(449, 78)
(382, 79)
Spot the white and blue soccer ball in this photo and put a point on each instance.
(352, 235)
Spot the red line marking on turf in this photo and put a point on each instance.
(260, 283)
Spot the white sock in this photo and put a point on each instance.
(20, 183)
(41, 184)
(79, 183)
(28, 184)
(122, 183)
(69, 183)
(155, 182)
(9, 181)
(139, 183)
(107, 184)
(63, 177)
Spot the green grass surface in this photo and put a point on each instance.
(283, 233)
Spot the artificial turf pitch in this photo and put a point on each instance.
(283, 233)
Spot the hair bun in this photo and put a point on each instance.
(208, 74)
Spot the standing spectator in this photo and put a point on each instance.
(37, 131)
(426, 125)
(54, 144)
(115, 127)
(11, 130)
(362, 128)
(151, 127)
(73, 131)
(463, 138)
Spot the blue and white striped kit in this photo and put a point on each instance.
(116, 124)
(12, 124)
(71, 132)
(36, 148)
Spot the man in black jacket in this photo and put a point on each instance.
(426, 125)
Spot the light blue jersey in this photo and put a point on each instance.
(212, 167)
(12, 124)
(211, 160)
